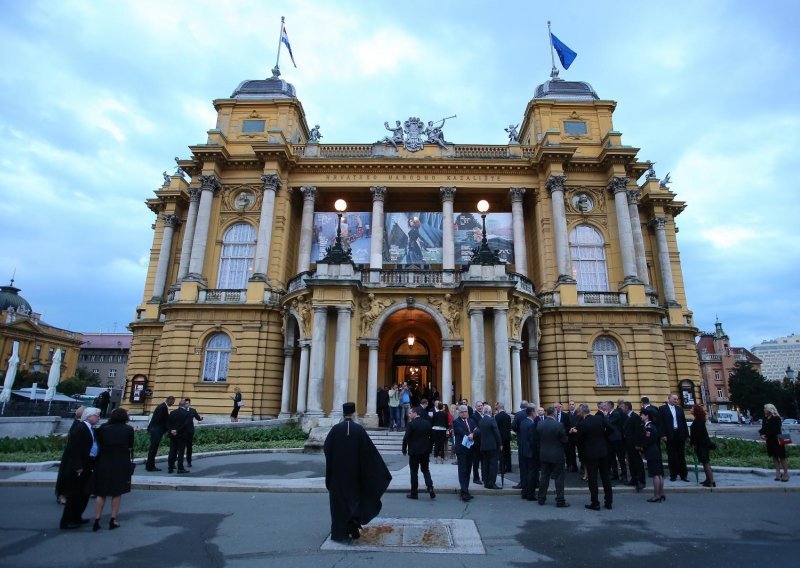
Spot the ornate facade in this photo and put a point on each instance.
(583, 298)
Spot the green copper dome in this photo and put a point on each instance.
(10, 298)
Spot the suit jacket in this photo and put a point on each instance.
(180, 420)
(563, 419)
(490, 434)
(614, 421)
(417, 439)
(592, 437)
(666, 427)
(504, 425)
(528, 440)
(79, 444)
(632, 430)
(519, 416)
(552, 439)
(194, 416)
(461, 429)
(160, 418)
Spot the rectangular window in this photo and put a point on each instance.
(95, 371)
(102, 358)
(717, 375)
(719, 393)
(112, 373)
(575, 127)
(50, 354)
(253, 125)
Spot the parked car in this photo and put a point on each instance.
(789, 421)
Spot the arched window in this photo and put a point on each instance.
(588, 253)
(606, 362)
(217, 354)
(238, 247)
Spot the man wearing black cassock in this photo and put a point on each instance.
(355, 475)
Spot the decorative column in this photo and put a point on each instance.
(516, 374)
(533, 358)
(208, 187)
(447, 373)
(271, 184)
(306, 228)
(448, 240)
(316, 375)
(518, 224)
(302, 379)
(667, 283)
(619, 186)
(170, 222)
(188, 233)
(372, 377)
(638, 238)
(477, 358)
(341, 366)
(286, 389)
(501, 357)
(555, 185)
(376, 232)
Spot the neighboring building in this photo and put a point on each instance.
(578, 292)
(777, 354)
(38, 340)
(717, 363)
(106, 356)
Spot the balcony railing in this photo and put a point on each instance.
(298, 282)
(221, 296)
(411, 278)
(273, 297)
(710, 357)
(524, 284)
(550, 298)
(603, 298)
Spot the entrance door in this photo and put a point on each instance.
(411, 363)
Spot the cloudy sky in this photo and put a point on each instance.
(98, 96)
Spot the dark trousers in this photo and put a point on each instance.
(676, 458)
(416, 463)
(476, 463)
(189, 443)
(528, 477)
(177, 447)
(489, 462)
(506, 456)
(439, 443)
(383, 417)
(592, 467)
(77, 495)
(572, 460)
(464, 470)
(155, 441)
(556, 471)
(636, 466)
(618, 457)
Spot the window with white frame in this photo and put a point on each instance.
(606, 362)
(95, 371)
(587, 249)
(112, 373)
(217, 354)
(238, 249)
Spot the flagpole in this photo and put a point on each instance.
(277, 70)
(554, 72)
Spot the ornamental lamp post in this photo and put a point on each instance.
(337, 254)
(483, 254)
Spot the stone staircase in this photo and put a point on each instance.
(386, 442)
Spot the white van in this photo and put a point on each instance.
(728, 416)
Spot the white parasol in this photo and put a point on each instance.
(54, 377)
(11, 373)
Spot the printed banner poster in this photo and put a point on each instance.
(356, 235)
(469, 233)
(413, 238)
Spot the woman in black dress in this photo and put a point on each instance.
(770, 431)
(112, 473)
(651, 448)
(61, 480)
(698, 435)
(237, 404)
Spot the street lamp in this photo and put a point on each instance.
(337, 253)
(483, 254)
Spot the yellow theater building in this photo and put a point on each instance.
(307, 274)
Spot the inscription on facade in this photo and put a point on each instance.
(414, 177)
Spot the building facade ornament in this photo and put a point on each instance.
(618, 184)
(378, 192)
(271, 182)
(171, 221)
(371, 309)
(582, 202)
(555, 183)
(447, 193)
(517, 194)
(658, 223)
(633, 196)
(209, 183)
(309, 193)
(194, 194)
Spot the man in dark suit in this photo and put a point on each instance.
(632, 432)
(528, 448)
(552, 440)
(572, 460)
(383, 407)
(463, 427)
(516, 422)
(504, 425)
(591, 437)
(491, 446)
(616, 454)
(417, 443)
(674, 433)
(190, 433)
(79, 456)
(157, 427)
(477, 457)
(178, 424)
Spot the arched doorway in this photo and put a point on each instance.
(411, 363)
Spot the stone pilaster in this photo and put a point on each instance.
(170, 223)
(302, 379)
(208, 188)
(517, 195)
(341, 366)
(619, 187)
(555, 185)
(376, 231)
(188, 233)
(659, 224)
(316, 376)
(447, 374)
(271, 184)
(448, 238)
(501, 357)
(477, 358)
(372, 377)
(306, 228)
(638, 238)
(516, 374)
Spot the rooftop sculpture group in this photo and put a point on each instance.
(410, 134)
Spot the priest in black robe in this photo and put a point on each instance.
(355, 475)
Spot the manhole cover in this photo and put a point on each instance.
(432, 536)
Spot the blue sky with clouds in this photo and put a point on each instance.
(98, 96)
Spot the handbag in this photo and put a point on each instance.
(240, 403)
(784, 439)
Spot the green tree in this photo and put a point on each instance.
(78, 382)
(25, 379)
(750, 390)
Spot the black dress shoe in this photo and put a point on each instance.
(84, 521)
(673, 478)
(183, 471)
(608, 506)
(70, 526)
(593, 507)
(686, 479)
(517, 486)
(431, 493)
(466, 497)
(562, 505)
(476, 480)
(171, 471)
(153, 468)
(493, 487)
(412, 496)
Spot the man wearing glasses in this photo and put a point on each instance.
(463, 432)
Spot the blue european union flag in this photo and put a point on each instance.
(565, 54)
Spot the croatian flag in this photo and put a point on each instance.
(285, 41)
(565, 54)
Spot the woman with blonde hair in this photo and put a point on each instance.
(237, 404)
(771, 429)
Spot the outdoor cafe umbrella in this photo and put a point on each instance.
(54, 376)
(11, 374)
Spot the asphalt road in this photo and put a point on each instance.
(198, 529)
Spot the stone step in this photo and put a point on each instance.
(386, 442)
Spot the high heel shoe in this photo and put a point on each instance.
(708, 483)
(96, 525)
(113, 524)
(654, 500)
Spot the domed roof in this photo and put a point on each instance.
(565, 90)
(272, 88)
(9, 297)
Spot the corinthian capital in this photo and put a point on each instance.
(658, 223)
(171, 220)
(555, 183)
(618, 184)
(272, 182)
(516, 194)
(209, 183)
(309, 192)
(194, 194)
(378, 192)
(633, 196)
(447, 193)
